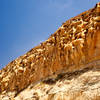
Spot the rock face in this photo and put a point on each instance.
(64, 67)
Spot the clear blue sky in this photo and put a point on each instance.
(26, 23)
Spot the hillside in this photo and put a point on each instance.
(64, 67)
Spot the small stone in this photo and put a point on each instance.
(21, 70)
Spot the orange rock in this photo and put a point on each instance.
(73, 47)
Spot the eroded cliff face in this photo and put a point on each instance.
(80, 85)
(73, 47)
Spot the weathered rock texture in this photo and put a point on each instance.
(64, 67)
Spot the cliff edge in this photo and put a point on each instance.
(64, 67)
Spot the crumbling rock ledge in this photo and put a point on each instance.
(79, 85)
(64, 67)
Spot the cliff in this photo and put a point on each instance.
(64, 67)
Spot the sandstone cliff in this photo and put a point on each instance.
(64, 67)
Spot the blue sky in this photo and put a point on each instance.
(26, 23)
